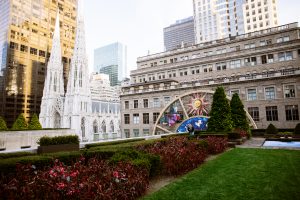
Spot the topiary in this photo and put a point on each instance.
(34, 123)
(3, 126)
(297, 129)
(220, 115)
(238, 114)
(20, 123)
(271, 129)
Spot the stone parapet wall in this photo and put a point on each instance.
(16, 140)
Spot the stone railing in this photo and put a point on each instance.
(17, 140)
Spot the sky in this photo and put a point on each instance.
(139, 23)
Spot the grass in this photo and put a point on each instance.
(240, 174)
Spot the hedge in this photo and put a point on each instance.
(69, 139)
(15, 155)
(297, 129)
(34, 123)
(20, 123)
(88, 146)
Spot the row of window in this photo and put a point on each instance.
(136, 132)
(249, 61)
(136, 118)
(291, 113)
(218, 51)
(156, 103)
(270, 93)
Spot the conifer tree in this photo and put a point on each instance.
(34, 123)
(20, 123)
(220, 115)
(3, 126)
(238, 114)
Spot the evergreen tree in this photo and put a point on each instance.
(3, 126)
(238, 114)
(220, 115)
(271, 129)
(34, 123)
(20, 123)
(297, 129)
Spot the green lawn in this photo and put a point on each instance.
(240, 174)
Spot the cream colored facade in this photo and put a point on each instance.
(266, 74)
(259, 15)
(26, 32)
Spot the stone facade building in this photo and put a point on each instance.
(263, 67)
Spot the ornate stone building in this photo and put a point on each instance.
(74, 109)
(263, 67)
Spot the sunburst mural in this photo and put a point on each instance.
(198, 105)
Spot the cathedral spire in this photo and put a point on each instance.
(77, 109)
(54, 84)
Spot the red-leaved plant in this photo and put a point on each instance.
(94, 180)
(216, 145)
(178, 154)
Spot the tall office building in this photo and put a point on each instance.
(112, 55)
(112, 72)
(179, 34)
(218, 19)
(26, 32)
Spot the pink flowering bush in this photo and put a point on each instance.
(178, 154)
(94, 180)
(216, 145)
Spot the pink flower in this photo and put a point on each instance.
(60, 186)
(116, 174)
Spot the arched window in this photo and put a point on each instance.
(112, 127)
(103, 127)
(83, 127)
(95, 126)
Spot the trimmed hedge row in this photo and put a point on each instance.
(88, 146)
(69, 139)
(15, 155)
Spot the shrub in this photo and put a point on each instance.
(220, 116)
(34, 123)
(234, 135)
(178, 154)
(15, 155)
(238, 114)
(216, 145)
(20, 124)
(140, 159)
(88, 146)
(3, 126)
(70, 139)
(297, 129)
(271, 129)
(94, 180)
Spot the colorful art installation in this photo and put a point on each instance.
(198, 105)
(199, 124)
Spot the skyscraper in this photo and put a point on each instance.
(179, 34)
(26, 34)
(218, 19)
(112, 55)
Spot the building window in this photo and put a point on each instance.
(145, 118)
(232, 92)
(136, 118)
(155, 117)
(289, 91)
(127, 118)
(42, 53)
(146, 103)
(33, 51)
(270, 93)
(254, 112)
(292, 113)
(235, 64)
(126, 104)
(146, 132)
(24, 48)
(251, 96)
(283, 56)
(127, 133)
(13, 45)
(136, 132)
(167, 100)
(272, 113)
(156, 103)
(136, 104)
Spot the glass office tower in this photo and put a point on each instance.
(26, 30)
